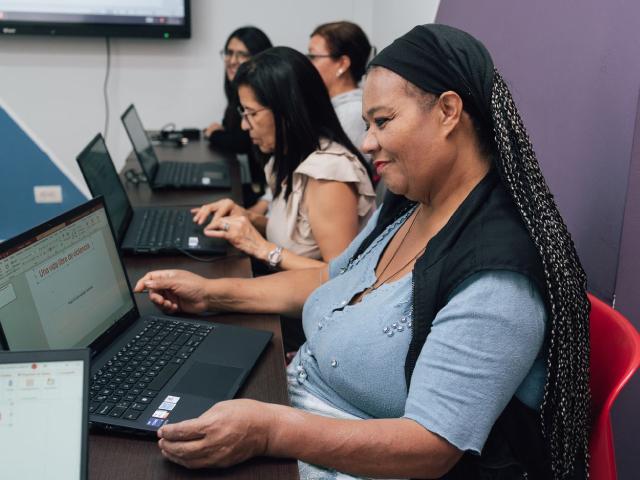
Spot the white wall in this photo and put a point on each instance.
(391, 19)
(55, 84)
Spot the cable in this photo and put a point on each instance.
(104, 88)
(168, 127)
(217, 258)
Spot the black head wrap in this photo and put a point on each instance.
(439, 58)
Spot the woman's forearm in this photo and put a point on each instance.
(288, 259)
(396, 448)
(259, 221)
(291, 261)
(279, 293)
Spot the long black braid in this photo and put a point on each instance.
(566, 403)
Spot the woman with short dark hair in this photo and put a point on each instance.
(451, 339)
(321, 186)
(340, 51)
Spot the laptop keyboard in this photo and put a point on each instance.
(161, 228)
(180, 173)
(126, 385)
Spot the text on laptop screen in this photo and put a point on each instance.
(64, 288)
(41, 417)
(102, 179)
(141, 143)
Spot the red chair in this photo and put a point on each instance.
(615, 356)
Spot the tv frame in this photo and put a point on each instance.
(12, 28)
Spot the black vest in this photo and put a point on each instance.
(485, 233)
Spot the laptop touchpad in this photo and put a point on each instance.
(213, 174)
(208, 380)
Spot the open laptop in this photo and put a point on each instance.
(43, 414)
(63, 285)
(170, 174)
(142, 230)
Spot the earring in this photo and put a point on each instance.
(339, 73)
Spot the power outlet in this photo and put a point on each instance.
(47, 193)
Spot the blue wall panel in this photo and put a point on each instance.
(23, 165)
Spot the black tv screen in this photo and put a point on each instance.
(105, 18)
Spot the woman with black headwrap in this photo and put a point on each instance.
(450, 340)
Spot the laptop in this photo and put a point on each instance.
(170, 174)
(142, 230)
(63, 285)
(43, 414)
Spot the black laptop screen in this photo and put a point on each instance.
(64, 287)
(140, 141)
(102, 179)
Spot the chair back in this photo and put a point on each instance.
(615, 356)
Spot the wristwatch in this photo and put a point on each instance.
(274, 257)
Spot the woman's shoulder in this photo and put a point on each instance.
(352, 98)
(332, 161)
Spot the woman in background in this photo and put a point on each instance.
(322, 192)
(240, 46)
(340, 51)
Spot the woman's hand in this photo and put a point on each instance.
(215, 126)
(240, 232)
(226, 434)
(219, 209)
(175, 290)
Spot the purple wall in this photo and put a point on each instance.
(574, 70)
(628, 282)
(626, 415)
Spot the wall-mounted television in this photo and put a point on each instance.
(105, 18)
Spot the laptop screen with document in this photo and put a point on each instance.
(62, 285)
(141, 143)
(43, 414)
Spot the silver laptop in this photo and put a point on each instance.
(43, 414)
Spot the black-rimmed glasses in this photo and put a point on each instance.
(227, 54)
(313, 56)
(249, 114)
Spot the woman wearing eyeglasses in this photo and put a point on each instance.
(322, 192)
(241, 45)
(340, 50)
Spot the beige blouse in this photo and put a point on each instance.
(288, 224)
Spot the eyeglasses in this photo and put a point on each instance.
(313, 56)
(249, 114)
(240, 55)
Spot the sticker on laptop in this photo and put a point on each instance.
(160, 414)
(155, 422)
(206, 180)
(167, 406)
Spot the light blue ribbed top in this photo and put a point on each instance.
(485, 345)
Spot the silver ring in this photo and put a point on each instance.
(226, 226)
